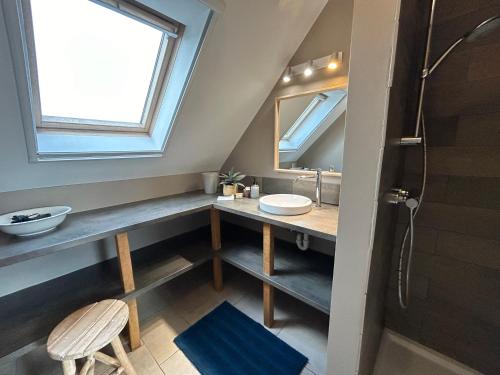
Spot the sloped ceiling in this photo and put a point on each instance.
(246, 50)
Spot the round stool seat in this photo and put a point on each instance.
(87, 330)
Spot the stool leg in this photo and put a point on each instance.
(122, 356)
(89, 366)
(69, 367)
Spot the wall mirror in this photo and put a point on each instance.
(309, 131)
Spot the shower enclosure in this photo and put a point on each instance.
(482, 29)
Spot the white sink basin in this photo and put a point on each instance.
(285, 204)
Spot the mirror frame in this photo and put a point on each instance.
(340, 84)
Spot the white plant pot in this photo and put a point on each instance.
(210, 182)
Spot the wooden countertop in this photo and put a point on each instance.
(320, 222)
(88, 226)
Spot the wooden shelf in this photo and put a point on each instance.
(88, 226)
(306, 276)
(28, 316)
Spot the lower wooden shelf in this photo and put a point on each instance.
(307, 276)
(28, 316)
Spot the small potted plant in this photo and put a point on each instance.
(230, 182)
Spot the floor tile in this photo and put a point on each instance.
(141, 359)
(158, 334)
(144, 363)
(307, 332)
(102, 369)
(170, 309)
(306, 371)
(178, 364)
(251, 305)
(38, 362)
(151, 303)
(233, 292)
(8, 368)
(194, 306)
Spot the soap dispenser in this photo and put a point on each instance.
(254, 190)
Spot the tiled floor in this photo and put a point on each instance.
(167, 311)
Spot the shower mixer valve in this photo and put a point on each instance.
(396, 196)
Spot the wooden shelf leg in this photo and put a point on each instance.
(268, 249)
(268, 298)
(127, 275)
(216, 245)
(268, 268)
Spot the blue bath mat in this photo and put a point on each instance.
(227, 342)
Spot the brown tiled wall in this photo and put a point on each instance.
(455, 304)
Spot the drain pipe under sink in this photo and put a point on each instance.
(302, 241)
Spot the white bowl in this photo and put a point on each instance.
(30, 228)
(285, 204)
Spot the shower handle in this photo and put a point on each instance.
(396, 196)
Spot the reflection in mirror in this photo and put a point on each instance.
(311, 130)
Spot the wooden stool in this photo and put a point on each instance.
(86, 331)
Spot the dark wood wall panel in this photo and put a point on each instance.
(455, 305)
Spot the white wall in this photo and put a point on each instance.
(374, 32)
(37, 270)
(238, 66)
(228, 86)
(91, 196)
(254, 154)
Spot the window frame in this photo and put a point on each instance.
(340, 83)
(291, 145)
(164, 59)
(300, 120)
(195, 20)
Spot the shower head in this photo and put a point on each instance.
(483, 29)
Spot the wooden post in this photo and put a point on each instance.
(125, 262)
(268, 268)
(268, 298)
(268, 249)
(216, 245)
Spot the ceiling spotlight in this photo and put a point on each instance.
(308, 70)
(332, 65)
(335, 60)
(287, 77)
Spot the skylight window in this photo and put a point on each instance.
(89, 72)
(309, 109)
(319, 114)
(96, 67)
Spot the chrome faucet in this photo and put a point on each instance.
(318, 177)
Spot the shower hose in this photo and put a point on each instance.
(413, 206)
